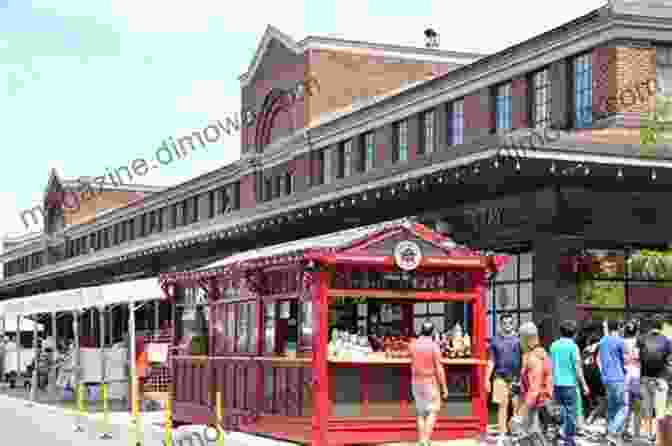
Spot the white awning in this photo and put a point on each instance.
(81, 298)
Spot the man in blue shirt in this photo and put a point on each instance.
(567, 373)
(504, 361)
(611, 355)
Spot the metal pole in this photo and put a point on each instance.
(106, 435)
(75, 372)
(156, 316)
(18, 348)
(134, 378)
(36, 353)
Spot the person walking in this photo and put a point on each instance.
(567, 375)
(427, 376)
(655, 351)
(536, 380)
(611, 354)
(504, 360)
(632, 382)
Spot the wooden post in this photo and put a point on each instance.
(320, 365)
(479, 397)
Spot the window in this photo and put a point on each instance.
(211, 204)
(402, 141)
(456, 122)
(663, 71)
(92, 241)
(326, 166)
(427, 145)
(289, 183)
(583, 91)
(106, 238)
(246, 333)
(279, 186)
(194, 210)
(269, 328)
(117, 234)
(541, 101)
(184, 209)
(503, 108)
(347, 158)
(152, 222)
(268, 189)
(143, 225)
(224, 201)
(511, 292)
(369, 151)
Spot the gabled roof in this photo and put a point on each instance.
(317, 42)
(337, 242)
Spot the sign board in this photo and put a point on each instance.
(407, 255)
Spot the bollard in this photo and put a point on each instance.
(81, 410)
(219, 409)
(106, 425)
(168, 441)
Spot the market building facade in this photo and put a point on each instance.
(389, 131)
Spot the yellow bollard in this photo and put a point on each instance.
(220, 417)
(106, 425)
(81, 401)
(169, 422)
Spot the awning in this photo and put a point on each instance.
(81, 298)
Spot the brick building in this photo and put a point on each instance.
(349, 133)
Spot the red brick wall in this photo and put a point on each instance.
(603, 60)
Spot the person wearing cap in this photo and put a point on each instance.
(536, 379)
(428, 375)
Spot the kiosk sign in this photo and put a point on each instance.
(407, 255)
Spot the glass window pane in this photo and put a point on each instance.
(510, 270)
(505, 297)
(489, 330)
(525, 317)
(269, 328)
(526, 265)
(252, 328)
(438, 323)
(491, 295)
(436, 308)
(420, 309)
(526, 296)
(417, 324)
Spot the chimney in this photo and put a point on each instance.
(431, 38)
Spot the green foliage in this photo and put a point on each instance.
(199, 346)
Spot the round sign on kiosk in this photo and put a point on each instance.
(407, 255)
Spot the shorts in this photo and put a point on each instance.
(427, 398)
(501, 391)
(654, 397)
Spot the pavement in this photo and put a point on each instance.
(51, 421)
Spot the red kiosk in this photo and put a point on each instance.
(269, 316)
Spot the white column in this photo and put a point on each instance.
(54, 329)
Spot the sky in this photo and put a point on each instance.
(89, 85)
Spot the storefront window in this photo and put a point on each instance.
(511, 291)
(269, 328)
(306, 328)
(242, 338)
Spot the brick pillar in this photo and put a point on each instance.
(247, 191)
(384, 145)
(478, 115)
(520, 107)
(554, 288)
(441, 127)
